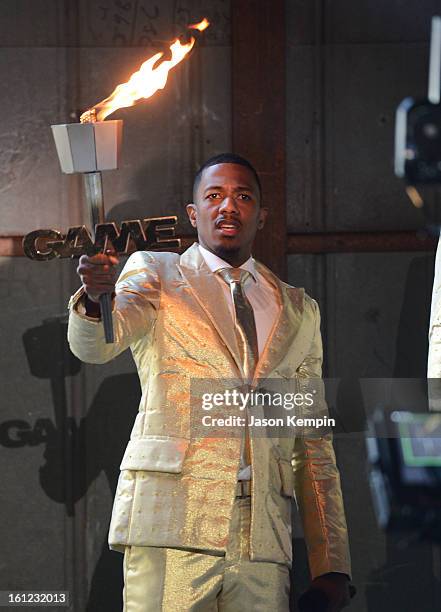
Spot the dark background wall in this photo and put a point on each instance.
(349, 64)
(342, 67)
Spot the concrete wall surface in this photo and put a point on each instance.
(64, 424)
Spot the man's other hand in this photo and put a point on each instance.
(328, 593)
(98, 274)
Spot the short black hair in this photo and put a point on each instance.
(226, 158)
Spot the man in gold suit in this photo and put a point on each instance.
(204, 522)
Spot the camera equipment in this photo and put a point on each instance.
(404, 454)
(418, 126)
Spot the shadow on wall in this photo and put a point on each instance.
(142, 208)
(77, 452)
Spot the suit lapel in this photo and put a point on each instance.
(287, 325)
(208, 293)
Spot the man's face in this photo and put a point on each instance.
(227, 211)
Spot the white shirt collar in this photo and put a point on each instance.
(216, 263)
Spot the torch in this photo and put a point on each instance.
(88, 148)
(93, 145)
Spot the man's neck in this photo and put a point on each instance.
(234, 258)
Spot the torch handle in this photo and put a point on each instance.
(93, 186)
(106, 315)
(94, 197)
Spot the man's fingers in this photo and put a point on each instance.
(95, 281)
(97, 291)
(112, 255)
(101, 281)
(99, 259)
(98, 286)
(96, 271)
(98, 274)
(97, 266)
(101, 267)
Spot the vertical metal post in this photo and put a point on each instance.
(259, 109)
(93, 186)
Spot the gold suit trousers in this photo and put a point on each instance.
(180, 580)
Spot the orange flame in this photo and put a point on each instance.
(145, 82)
(201, 26)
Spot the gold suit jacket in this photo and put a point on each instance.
(177, 488)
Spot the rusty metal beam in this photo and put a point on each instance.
(335, 242)
(350, 242)
(258, 113)
(10, 246)
(360, 242)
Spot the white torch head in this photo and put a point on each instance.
(88, 147)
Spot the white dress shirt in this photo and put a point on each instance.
(258, 290)
(263, 299)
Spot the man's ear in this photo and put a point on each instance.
(262, 217)
(192, 214)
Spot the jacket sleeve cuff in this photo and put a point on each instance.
(339, 562)
(77, 306)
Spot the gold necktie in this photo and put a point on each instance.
(244, 323)
(245, 328)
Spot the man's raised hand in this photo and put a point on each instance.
(98, 274)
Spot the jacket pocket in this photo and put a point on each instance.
(286, 477)
(156, 454)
